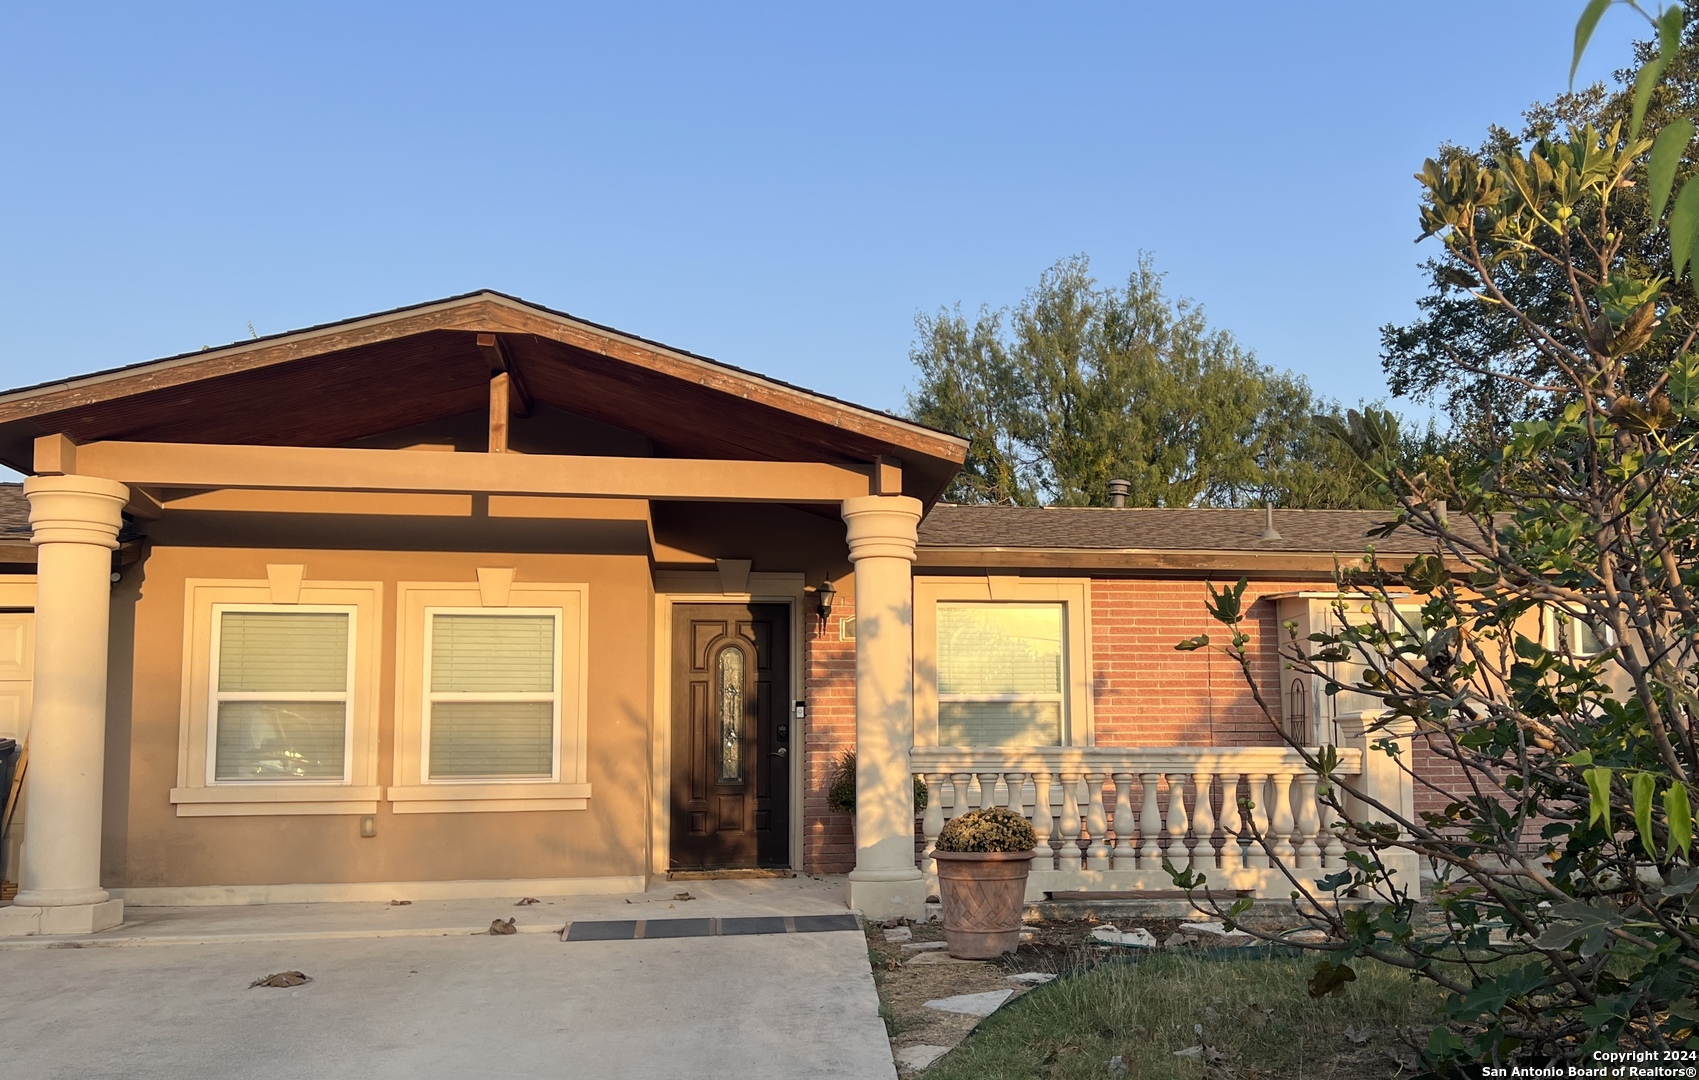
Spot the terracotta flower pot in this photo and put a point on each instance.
(983, 894)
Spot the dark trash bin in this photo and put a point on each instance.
(8, 763)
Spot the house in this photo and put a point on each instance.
(477, 598)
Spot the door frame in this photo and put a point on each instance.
(708, 587)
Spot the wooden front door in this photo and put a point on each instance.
(732, 736)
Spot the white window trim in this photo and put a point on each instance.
(412, 792)
(217, 697)
(1074, 594)
(1549, 630)
(432, 697)
(197, 794)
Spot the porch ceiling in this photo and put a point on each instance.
(334, 385)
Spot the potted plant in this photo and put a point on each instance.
(983, 859)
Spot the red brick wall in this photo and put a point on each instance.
(828, 844)
(1144, 693)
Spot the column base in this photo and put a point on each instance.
(22, 921)
(885, 896)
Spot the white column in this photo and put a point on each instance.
(74, 521)
(885, 883)
(1386, 780)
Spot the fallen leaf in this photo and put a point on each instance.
(527, 900)
(1209, 1013)
(399, 903)
(497, 927)
(1190, 1052)
(1359, 1035)
(282, 978)
(684, 896)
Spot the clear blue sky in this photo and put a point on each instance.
(782, 187)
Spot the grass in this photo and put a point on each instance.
(1256, 1012)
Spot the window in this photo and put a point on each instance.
(491, 696)
(280, 695)
(279, 711)
(1002, 661)
(1567, 632)
(1000, 672)
(493, 701)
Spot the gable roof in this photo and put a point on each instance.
(1137, 529)
(338, 382)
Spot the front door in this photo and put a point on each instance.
(732, 733)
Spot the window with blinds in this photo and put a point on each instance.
(493, 702)
(1002, 668)
(280, 694)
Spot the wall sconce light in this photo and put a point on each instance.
(823, 597)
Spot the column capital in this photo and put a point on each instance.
(75, 510)
(882, 526)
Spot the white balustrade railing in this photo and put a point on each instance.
(1081, 802)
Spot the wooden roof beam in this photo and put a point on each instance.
(500, 362)
(194, 466)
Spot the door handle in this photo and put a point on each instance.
(780, 752)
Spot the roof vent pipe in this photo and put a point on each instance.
(1118, 492)
(1269, 532)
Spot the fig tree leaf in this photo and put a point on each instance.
(1598, 795)
(1645, 786)
(1584, 27)
(1666, 155)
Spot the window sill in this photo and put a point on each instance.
(253, 800)
(488, 797)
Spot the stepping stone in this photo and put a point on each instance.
(1214, 932)
(1032, 978)
(972, 1004)
(1137, 938)
(921, 946)
(920, 1056)
(928, 958)
(896, 935)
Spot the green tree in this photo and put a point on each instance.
(1554, 662)
(1083, 383)
(1473, 359)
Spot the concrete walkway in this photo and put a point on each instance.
(733, 898)
(407, 994)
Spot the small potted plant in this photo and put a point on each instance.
(983, 859)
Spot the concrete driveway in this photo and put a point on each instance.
(451, 1006)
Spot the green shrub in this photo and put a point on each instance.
(841, 795)
(992, 828)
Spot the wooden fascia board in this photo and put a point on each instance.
(479, 313)
(1128, 559)
(192, 466)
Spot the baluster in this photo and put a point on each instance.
(959, 798)
(1257, 855)
(1150, 823)
(1203, 822)
(1096, 823)
(1232, 855)
(1126, 855)
(1016, 783)
(1282, 823)
(1309, 854)
(932, 822)
(1042, 824)
(1069, 857)
(1333, 850)
(988, 789)
(1178, 824)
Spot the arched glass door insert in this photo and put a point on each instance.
(729, 671)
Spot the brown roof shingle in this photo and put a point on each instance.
(1320, 532)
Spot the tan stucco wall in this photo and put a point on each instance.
(148, 845)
